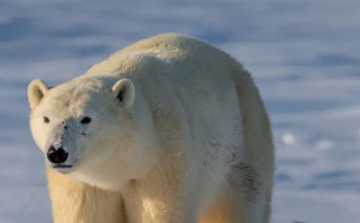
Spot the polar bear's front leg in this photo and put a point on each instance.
(76, 202)
(160, 197)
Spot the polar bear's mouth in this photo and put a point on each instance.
(61, 166)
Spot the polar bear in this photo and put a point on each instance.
(169, 129)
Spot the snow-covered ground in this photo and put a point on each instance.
(304, 56)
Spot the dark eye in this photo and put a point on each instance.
(85, 120)
(46, 119)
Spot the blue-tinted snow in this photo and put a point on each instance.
(304, 55)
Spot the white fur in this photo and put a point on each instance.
(189, 140)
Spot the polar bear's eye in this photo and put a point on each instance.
(85, 120)
(46, 119)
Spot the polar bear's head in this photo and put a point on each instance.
(86, 128)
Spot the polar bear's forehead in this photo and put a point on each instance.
(77, 96)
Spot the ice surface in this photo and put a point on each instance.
(304, 55)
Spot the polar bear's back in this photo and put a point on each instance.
(169, 47)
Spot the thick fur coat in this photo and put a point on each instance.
(169, 129)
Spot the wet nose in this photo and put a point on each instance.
(57, 155)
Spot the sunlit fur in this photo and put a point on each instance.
(188, 141)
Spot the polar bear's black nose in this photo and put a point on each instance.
(57, 155)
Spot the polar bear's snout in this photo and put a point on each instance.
(57, 156)
(60, 157)
(61, 153)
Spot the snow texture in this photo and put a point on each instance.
(304, 56)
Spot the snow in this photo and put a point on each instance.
(304, 56)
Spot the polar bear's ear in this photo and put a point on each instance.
(124, 91)
(36, 91)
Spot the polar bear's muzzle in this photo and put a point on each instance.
(57, 156)
(61, 154)
(59, 159)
